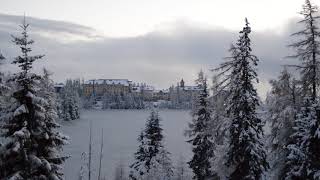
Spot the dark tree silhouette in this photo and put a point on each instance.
(246, 154)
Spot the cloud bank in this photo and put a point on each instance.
(160, 58)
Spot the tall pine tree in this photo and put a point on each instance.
(302, 162)
(281, 108)
(200, 133)
(246, 154)
(219, 126)
(138, 167)
(33, 143)
(307, 49)
(303, 159)
(152, 160)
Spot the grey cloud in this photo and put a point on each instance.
(10, 22)
(160, 58)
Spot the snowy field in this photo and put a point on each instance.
(121, 129)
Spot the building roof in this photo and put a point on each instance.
(144, 88)
(124, 82)
(148, 88)
(58, 85)
(162, 91)
(191, 88)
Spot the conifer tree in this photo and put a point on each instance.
(152, 160)
(307, 49)
(2, 58)
(154, 136)
(70, 104)
(161, 166)
(200, 134)
(246, 156)
(297, 157)
(3, 87)
(302, 160)
(47, 92)
(219, 127)
(33, 143)
(313, 144)
(281, 114)
(84, 167)
(137, 168)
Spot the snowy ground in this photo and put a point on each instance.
(121, 129)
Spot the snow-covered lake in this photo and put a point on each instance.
(121, 129)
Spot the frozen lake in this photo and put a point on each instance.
(121, 129)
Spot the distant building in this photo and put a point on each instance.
(178, 94)
(161, 95)
(182, 95)
(182, 83)
(58, 87)
(188, 89)
(99, 87)
(146, 91)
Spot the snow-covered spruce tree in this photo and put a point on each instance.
(152, 160)
(200, 134)
(3, 87)
(313, 144)
(281, 115)
(47, 91)
(138, 167)
(303, 161)
(246, 156)
(70, 104)
(84, 167)
(307, 49)
(153, 136)
(219, 127)
(33, 143)
(161, 166)
(2, 58)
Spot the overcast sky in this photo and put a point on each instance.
(158, 42)
(137, 17)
